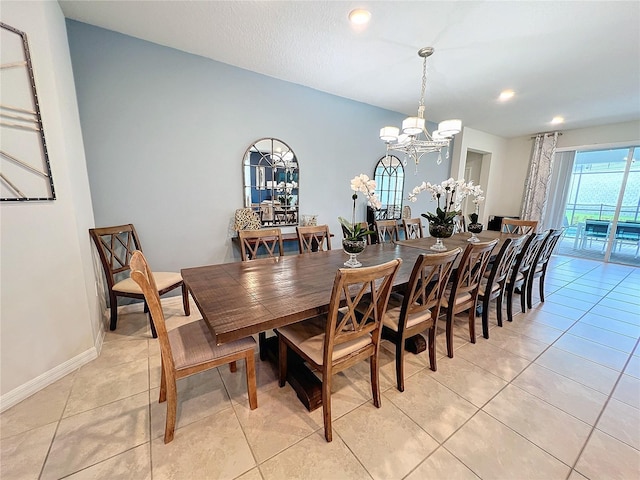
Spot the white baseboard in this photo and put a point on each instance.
(25, 390)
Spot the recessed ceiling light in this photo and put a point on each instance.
(359, 16)
(557, 120)
(506, 95)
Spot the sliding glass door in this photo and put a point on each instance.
(602, 206)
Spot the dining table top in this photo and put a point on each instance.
(244, 298)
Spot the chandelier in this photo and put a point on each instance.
(415, 141)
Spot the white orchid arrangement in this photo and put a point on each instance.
(360, 184)
(452, 192)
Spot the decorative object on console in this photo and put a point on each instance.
(409, 142)
(355, 234)
(246, 219)
(453, 192)
(25, 170)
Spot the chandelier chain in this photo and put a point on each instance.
(424, 86)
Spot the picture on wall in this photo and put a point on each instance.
(25, 173)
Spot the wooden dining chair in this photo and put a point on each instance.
(518, 227)
(520, 272)
(540, 264)
(115, 246)
(252, 240)
(418, 309)
(493, 286)
(412, 228)
(188, 349)
(462, 294)
(387, 231)
(313, 238)
(343, 337)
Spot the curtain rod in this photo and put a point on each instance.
(546, 133)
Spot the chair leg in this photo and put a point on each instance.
(544, 273)
(262, 345)
(499, 309)
(472, 324)
(523, 297)
(154, 334)
(530, 292)
(485, 316)
(509, 305)
(326, 405)
(250, 364)
(113, 303)
(172, 405)
(400, 363)
(233, 367)
(282, 361)
(185, 300)
(432, 348)
(163, 385)
(374, 366)
(449, 333)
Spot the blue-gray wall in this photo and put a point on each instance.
(165, 131)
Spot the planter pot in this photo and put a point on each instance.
(353, 248)
(474, 228)
(440, 231)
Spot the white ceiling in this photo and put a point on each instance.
(577, 59)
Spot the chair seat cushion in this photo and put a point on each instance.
(391, 318)
(193, 344)
(460, 299)
(163, 280)
(483, 287)
(309, 335)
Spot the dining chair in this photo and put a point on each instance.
(540, 264)
(418, 309)
(462, 294)
(115, 246)
(188, 349)
(252, 240)
(412, 228)
(517, 226)
(493, 285)
(387, 231)
(343, 337)
(520, 272)
(313, 238)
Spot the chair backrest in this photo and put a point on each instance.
(427, 284)
(471, 268)
(366, 292)
(142, 275)
(527, 255)
(412, 228)
(459, 224)
(517, 226)
(115, 247)
(504, 261)
(252, 240)
(387, 231)
(313, 238)
(547, 247)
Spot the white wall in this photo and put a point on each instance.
(49, 321)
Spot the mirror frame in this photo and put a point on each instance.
(389, 177)
(271, 182)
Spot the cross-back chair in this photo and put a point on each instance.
(387, 231)
(115, 246)
(539, 267)
(252, 240)
(344, 336)
(494, 285)
(412, 228)
(462, 295)
(313, 238)
(519, 274)
(189, 348)
(419, 307)
(518, 227)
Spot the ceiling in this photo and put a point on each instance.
(576, 59)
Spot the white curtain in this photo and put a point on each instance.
(538, 179)
(555, 213)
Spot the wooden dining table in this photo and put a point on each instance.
(246, 298)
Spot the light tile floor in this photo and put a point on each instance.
(553, 395)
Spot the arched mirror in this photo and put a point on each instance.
(271, 179)
(389, 177)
